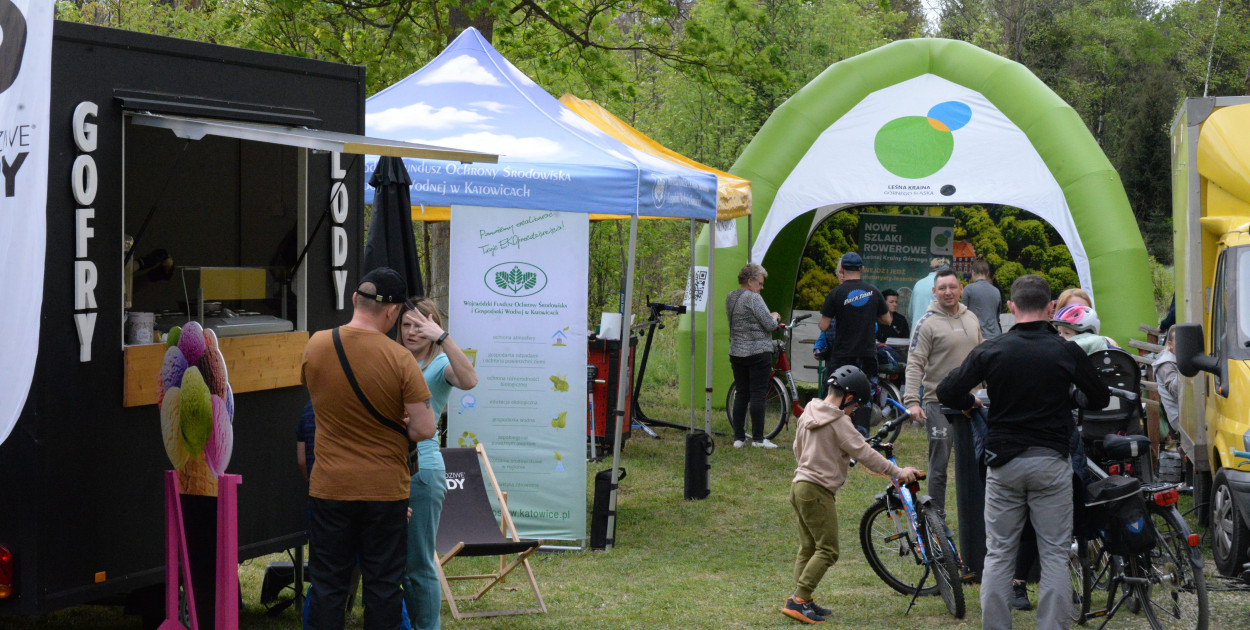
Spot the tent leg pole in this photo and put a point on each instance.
(693, 310)
(623, 386)
(707, 365)
(749, 239)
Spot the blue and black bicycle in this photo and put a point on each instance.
(904, 536)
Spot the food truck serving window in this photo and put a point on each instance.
(218, 216)
(216, 233)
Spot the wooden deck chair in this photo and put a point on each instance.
(468, 529)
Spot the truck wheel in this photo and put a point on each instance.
(1229, 534)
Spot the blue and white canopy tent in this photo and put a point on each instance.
(471, 97)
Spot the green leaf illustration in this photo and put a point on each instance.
(501, 279)
(531, 279)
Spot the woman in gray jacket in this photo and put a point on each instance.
(750, 352)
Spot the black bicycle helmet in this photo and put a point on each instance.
(851, 380)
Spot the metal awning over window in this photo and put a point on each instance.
(197, 128)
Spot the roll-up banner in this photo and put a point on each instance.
(518, 308)
(25, 89)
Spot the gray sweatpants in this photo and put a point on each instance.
(938, 430)
(1040, 489)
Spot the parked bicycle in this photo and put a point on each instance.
(782, 398)
(781, 402)
(905, 537)
(1162, 579)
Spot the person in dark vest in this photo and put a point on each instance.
(1028, 372)
(856, 307)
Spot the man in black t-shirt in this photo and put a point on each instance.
(857, 307)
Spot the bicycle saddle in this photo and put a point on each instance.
(1125, 446)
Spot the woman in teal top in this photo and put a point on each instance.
(445, 366)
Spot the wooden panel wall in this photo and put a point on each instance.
(253, 363)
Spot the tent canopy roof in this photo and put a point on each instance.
(471, 98)
(733, 194)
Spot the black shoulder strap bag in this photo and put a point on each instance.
(413, 460)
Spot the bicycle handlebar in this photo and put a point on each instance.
(1124, 393)
(660, 307)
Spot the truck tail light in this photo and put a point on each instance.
(1167, 497)
(6, 572)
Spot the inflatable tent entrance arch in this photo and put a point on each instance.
(934, 122)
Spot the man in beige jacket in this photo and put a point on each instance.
(941, 340)
(824, 442)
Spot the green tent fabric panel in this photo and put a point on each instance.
(1118, 265)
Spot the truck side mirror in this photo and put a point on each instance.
(1190, 355)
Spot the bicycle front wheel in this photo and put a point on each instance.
(1177, 593)
(943, 563)
(776, 408)
(890, 548)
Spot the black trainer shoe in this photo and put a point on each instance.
(1020, 597)
(804, 612)
(820, 610)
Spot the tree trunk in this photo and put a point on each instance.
(440, 233)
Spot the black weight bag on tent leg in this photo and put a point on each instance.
(599, 534)
(1116, 506)
(699, 448)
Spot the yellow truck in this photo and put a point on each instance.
(1211, 224)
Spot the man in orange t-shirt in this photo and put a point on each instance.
(358, 493)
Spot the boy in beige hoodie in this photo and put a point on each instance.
(824, 442)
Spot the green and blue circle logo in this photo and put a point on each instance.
(919, 146)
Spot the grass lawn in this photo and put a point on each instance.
(724, 562)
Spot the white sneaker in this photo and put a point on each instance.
(764, 444)
(739, 443)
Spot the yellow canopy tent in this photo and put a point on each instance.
(733, 194)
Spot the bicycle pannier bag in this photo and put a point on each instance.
(1118, 510)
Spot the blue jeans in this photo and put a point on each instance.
(422, 591)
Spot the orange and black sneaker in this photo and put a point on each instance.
(820, 610)
(801, 611)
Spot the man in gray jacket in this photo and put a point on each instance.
(941, 340)
(984, 299)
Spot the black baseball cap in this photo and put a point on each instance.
(852, 261)
(389, 286)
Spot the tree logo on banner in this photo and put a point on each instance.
(515, 279)
(919, 146)
(12, 42)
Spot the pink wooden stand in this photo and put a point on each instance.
(227, 566)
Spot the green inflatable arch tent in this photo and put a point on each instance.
(928, 122)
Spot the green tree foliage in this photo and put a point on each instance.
(702, 76)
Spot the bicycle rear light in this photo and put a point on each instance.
(1194, 540)
(1113, 470)
(1167, 497)
(6, 572)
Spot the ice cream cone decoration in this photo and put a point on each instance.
(197, 409)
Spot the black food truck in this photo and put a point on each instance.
(173, 165)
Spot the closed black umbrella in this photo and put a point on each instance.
(391, 241)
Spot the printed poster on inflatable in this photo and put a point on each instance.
(25, 89)
(518, 308)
